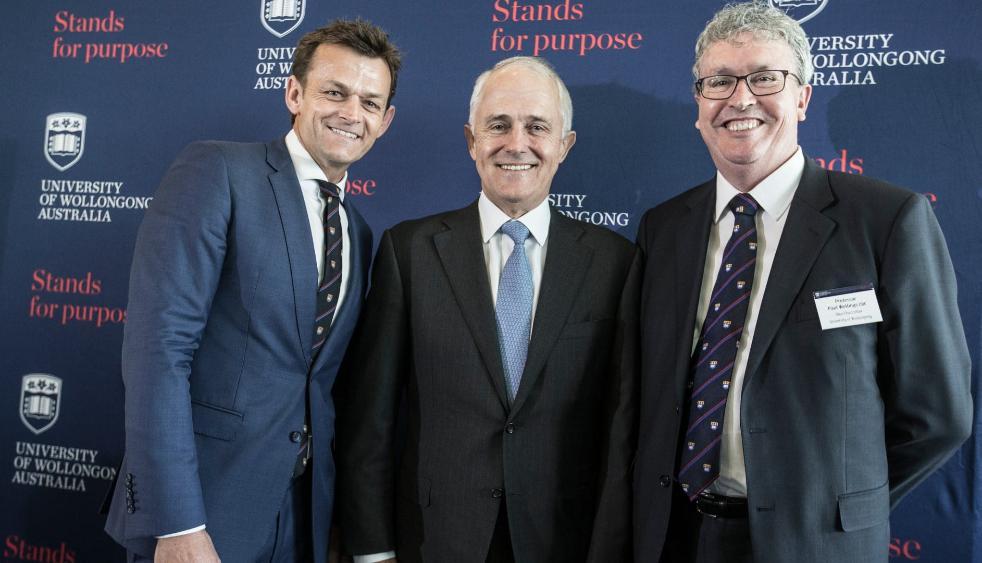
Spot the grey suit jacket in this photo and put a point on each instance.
(558, 456)
(837, 425)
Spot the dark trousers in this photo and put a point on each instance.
(694, 538)
(290, 540)
(501, 550)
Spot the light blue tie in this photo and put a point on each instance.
(513, 310)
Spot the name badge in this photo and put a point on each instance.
(847, 306)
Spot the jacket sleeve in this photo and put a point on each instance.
(177, 262)
(924, 357)
(611, 540)
(367, 396)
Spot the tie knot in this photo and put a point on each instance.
(516, 231)
(328, 189)
(744, 204)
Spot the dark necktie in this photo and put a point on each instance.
(330, 287)
(712, 362)
(327, 303)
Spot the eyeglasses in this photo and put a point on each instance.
(761, 83)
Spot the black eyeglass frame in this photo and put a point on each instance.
(736, 83)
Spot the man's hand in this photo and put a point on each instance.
(195, 547)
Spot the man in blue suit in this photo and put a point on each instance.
(247, 281)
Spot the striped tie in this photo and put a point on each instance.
(327, 304)
(330, 287)
(716, 351)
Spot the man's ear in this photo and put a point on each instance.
(469, 136)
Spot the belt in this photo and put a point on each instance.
(719, 506)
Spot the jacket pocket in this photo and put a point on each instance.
(804, 309)
(214, 421)
(864, 509)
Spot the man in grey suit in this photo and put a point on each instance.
(804, 364)
(247, 282)
(510, 329)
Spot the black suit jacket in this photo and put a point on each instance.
(559, 455)
(837, 425)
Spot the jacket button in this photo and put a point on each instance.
(497, 493)
(510, 428)
(295, 437)
(664, 480)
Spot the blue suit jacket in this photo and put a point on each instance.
(216, 352)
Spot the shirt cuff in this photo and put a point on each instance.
(184, 533)
(374, 557)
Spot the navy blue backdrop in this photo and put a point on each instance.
(99, 97)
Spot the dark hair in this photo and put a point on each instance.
(359, 35)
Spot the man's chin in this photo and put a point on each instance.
(343, 157)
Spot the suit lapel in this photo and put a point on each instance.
(567, 261)
(691, 243)
(299, 245)
(460, 251)
(804, 235)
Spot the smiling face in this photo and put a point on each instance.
(341, 109)
(517, 139)
(751, 136)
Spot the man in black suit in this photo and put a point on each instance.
(781, 419)
(515, 359)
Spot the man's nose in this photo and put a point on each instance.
(742, 96)
(351, 109)
(516, 140)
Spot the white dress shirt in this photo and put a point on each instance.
(497, 248)
(774, 195)
(308, 172)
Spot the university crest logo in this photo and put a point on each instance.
(280, 17)
(64, 139)
(800, 10)
(40, 398)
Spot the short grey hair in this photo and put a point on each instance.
(764, 22)
(533, 63)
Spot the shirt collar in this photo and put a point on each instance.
(773, 193)
(492, 218)
(303, 163)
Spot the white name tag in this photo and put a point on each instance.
(847, 306)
